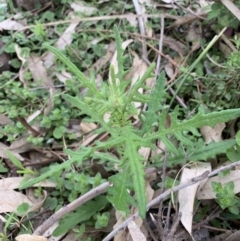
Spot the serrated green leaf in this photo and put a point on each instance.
(200, 120)
(120, 58)
(73, 68)
(118, 194)
(183, 139)
(154, 104)
(170, 145)
(78, 157)
(85, 109)
(202, 152)
(137, 173)
(197, 121)
(105, 157)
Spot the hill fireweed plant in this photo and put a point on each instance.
(116, 98)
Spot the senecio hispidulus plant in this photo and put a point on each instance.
(117, 99)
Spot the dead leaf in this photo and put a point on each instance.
(30, 237)
(39, 72)
(105, 59)
(11, 199)
(169, 69)
(9, 24)
(114, 60)
(88, 139)
(50, 103)
(175, 45)
(3, 147)
(33, 116)
(186, 196)
(29, 4)
(63, 76)
(206, 191)
(225, 49)
(37, 201)
(71, 236)
(11, 183)
(144, 152)
(234, 237)
(132, 20)
(194, 35)
(83, 8)
(4, 59)
(4, 120)
(138, 69)
(23, 59)
(21, 144)
(86, 127)
(232, 8)
(135, 232)
(149, 191)
(64, 40)
(212, 134)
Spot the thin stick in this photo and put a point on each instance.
(159, 221)
(76, 203)
(71, 207)
(160, 47)
(141, 26)
(173, 228)
(101, 18)
(193, 65)
(155, 201)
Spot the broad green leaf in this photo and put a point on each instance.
(23, 208)
(234, 209)
(234, 153)
(59, 131)
(238, 138)
(3, 169)
(14, 160)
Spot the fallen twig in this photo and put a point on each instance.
(71, 207)
(76, 203)
(155, 201)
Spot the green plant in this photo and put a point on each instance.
(18, 164)
(117, 99)
(3, 235)
(223, 16)
(226, 197)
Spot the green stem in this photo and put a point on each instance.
(195, 63)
